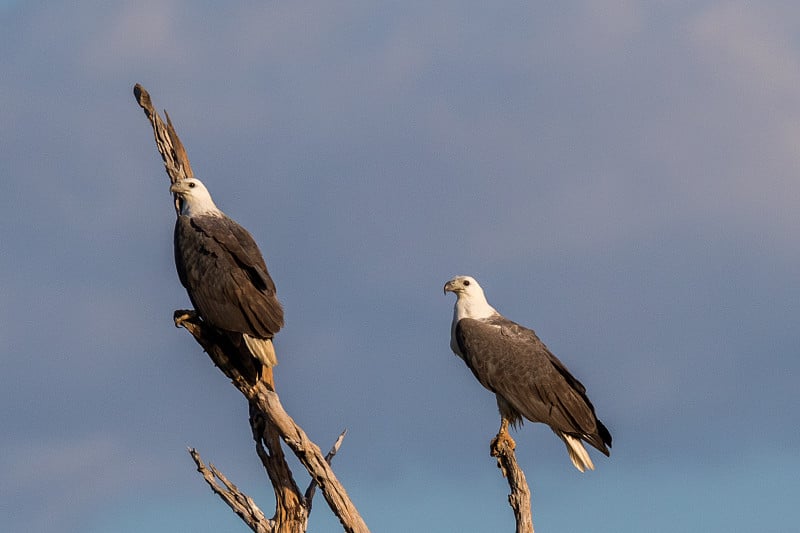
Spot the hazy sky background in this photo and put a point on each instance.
(621, 176)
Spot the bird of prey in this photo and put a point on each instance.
(528, 381)
(224, 273)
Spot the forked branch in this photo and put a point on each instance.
(269, 421)
(242, 504)
(263, 398)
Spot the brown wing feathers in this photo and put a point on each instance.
(225, 276)
(511, 361)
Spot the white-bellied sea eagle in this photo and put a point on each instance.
(224, 273)
(528, 381)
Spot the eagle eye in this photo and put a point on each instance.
(466, 282)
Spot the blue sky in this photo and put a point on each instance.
(622, 177)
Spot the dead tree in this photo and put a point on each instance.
(269, 422)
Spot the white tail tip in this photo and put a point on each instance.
(577, 453)
(262, 349)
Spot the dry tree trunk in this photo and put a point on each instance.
(520, 497)
(269, 421)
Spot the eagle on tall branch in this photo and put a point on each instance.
(224, 273)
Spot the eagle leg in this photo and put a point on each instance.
(503, 438)
(502, 444)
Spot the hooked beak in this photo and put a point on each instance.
(178, 189)
(448, 287)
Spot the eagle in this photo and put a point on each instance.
(224, 273)
(527, 379)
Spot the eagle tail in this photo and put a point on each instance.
(262, 349)
(577, 453)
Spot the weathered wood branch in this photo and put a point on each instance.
(242, 504)
(269, 422)
(258, 392)
(502, 448)
(291, 514)
(290, 509)
(312, 487)
(311, 458)
(287, 493)
(176, 160)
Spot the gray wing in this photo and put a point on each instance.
(225, 275)
(511, 361)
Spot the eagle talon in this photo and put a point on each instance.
(502, 441)
(183, 315)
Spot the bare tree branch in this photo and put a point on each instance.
(312, 487)
(176, 161)
(269, 422)
(290, 509)
(502, 448)
(242, 505)
(266, 400)
(312, 459)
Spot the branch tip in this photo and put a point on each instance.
(142, 97)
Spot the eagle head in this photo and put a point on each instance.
(470, 300)
(194, 198)
(462, 285)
